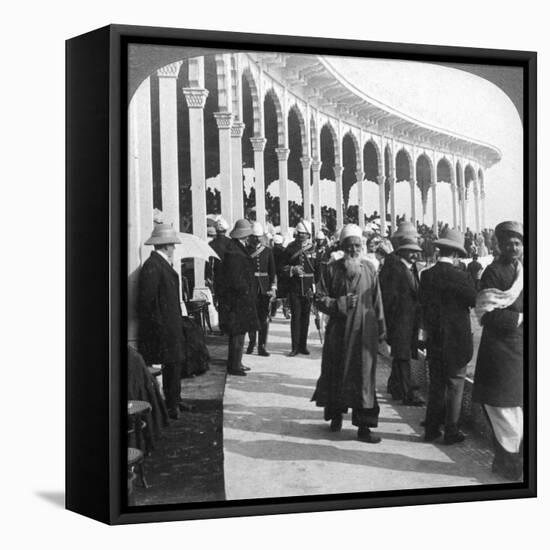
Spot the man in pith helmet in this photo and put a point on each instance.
(299, 269)
(160, 332)
(237, 306)
(446, 294)
(265, 286)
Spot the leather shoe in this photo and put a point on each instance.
(293, 353)
(432, 435)
(174, 414)
(454, 437)
(250, 349)
(415, 402)
(304, 351)
(366, 436)
(237, 372)
(263, 352)
(244, 368)
(336, 424)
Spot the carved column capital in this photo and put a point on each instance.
(381, 180)
(195, 97)
(338, 169)
(258, 144)
(223, 120)
(306, 162)
(169, 71)
(412, 183)
(391, 180)
(316, 165)
(282, 153)
(359, 175)
(237, 129)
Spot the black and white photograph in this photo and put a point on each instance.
(275, 275)
(325, 275)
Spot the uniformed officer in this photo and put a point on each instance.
(299, 268)
(265, 286)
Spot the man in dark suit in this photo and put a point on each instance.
(399, 284)
(446, 294)
(265, 286)
(237, 299)
(299, 270)
(160, 333)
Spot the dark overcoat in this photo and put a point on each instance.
(236, 287)
(160, 333)
(446, 294)
(348, 366)
(400, 297)
(499, 368)
(298, 255)
(219, 244)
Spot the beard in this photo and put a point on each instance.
(352, 265)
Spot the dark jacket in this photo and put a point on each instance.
(399, 287)
(295, 255)
(499, 367)
(282, 281)
(265, 274)
(446, 294)
(237, 308)
(219, 244)
(160, 336)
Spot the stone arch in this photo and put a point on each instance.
(355, 141)
(256, 107)
(403, 165)
(444, 170)
(424, 175)
(469, 178)
(280, 117)
(296, 109)
(371, 151)
(481, 181)
(335, 142)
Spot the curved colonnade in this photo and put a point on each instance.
(278, 112)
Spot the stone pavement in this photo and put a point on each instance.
(276, 443)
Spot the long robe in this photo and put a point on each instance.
(348, 366)
(499, 368)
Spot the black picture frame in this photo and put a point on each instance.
(96, 198)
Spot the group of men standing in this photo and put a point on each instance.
(367, 301)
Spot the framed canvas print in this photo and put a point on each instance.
(300, 274)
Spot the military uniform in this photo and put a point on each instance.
(265, 280)
(299, 269)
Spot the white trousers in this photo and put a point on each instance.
(507, 424)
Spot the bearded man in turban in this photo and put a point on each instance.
(349, 294)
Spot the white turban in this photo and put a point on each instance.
(350, 230)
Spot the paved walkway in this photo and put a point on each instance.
(276, 443)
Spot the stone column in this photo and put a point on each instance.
(282, 155)
(237, 131)
(168, 115)
(434, 206)
(168, 118)
(306, 179)
(392, 203)
(360, 177)
(196, 99)
(338, 170)
(224, 120)
(412, 185)
(483, 218)
(382, 200)
(453, 193)
(476, 205)
(462, 208)
(315, 174)
(140, 194)
(258, 145)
